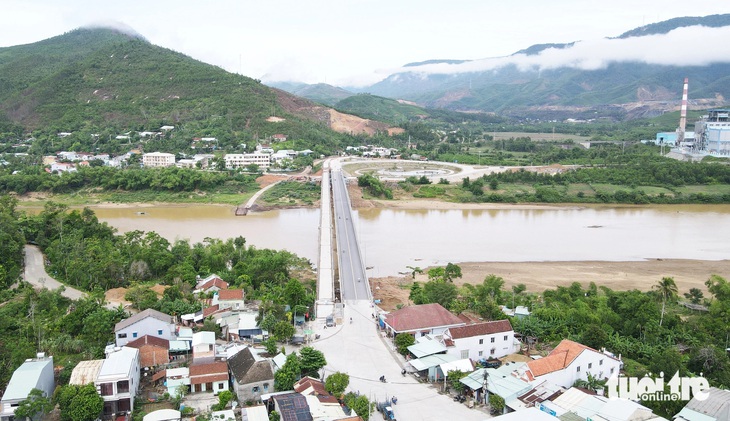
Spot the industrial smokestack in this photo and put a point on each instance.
(683, 114)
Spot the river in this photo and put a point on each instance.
(392, 239)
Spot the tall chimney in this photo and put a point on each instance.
(683, 114)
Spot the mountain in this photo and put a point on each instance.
(99, 78)
(619, 90)
(320, 92)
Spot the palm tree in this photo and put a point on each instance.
(667, 289)
(414, 270)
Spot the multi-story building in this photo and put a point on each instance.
(241, 160)
(118, 381)
(149, 322)
(34, 373)
(481, 340)
(158, 159)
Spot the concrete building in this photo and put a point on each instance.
(251, 377)
(158, 159)
(715, 407)
(419, 320)
(209, 376)
(241, 160)
(118, 381)
(153, 351)
(712, 132)
(36, 373)
(85, 372)
(571, 361)
(149, 322)
(481, 340)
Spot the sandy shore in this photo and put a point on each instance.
(539, 276)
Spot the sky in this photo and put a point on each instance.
(359, 42)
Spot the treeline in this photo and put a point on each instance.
(642, 172)
(171, 179)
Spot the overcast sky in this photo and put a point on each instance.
(355, 42)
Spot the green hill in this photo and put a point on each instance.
(100, 81)
(379, 108)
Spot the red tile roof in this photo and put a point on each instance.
(150, 341)
(230, 294)
(215, 282)
(421, 317)
(210, 310)
(208, 372)
(559, 358)
(480, 329)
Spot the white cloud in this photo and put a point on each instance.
(695, 45)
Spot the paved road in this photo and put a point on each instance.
(358, 350)
(35, 274)
(353, 279)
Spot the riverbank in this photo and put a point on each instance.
(539, 276)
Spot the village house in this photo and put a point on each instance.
(85, 372)
(715, 407)
(209, 376)
(571, 361)
(419, 320)
(251, 377)
(36, 373)
(481, 340)
(148, 322)
(203, 345)
(118, 381)
(229, 299)
(153, 351)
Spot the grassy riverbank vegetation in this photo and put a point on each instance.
(653, 332)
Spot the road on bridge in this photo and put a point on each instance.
(353, 280)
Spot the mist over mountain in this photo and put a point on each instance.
(637, 74)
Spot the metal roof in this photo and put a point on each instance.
(425, 363)
(119, 363)
(85, 372)
(426, 346)
(25, 378)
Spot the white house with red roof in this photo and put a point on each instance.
(570, 361)
(211, 284)
(419, 320)
(481, 340)
(229, 299)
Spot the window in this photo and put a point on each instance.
(481, 341)
(266, 387)
(481, 353)
(492, 340)
(611, 370)
(590, 365)
(221, 385)
(134, 334)
(107, 389)
(505, 337)
(122, 335)
(159, 332)
(491, 351)
(600, 362)
(255, 389)
(123, 386)
(577, 369)
(123, 405)
(464, 354)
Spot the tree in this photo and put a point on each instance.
(452, 271)
(311, 361)
(667, 289)
(336, 383)
(224, 397)
(694, 295)
(416, 295)
(79, 403)
(358, 403)
(403, 341)
(414, 270)
(593, 383)
(270, 345)
(288, 374)
(440, 291)
(455, 377)
(496, 403)
(283, 330)
(34, 405)
(274, 416)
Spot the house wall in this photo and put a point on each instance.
(148, 326)
(215, 387)
(500, 345)
(246, 392)
(570, 374)
(116, 396)
(45, 382)
(232, 304)
(150, 356)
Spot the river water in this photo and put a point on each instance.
(392, 239)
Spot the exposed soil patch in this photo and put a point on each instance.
(539, 276)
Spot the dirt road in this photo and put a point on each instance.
(35, 274)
